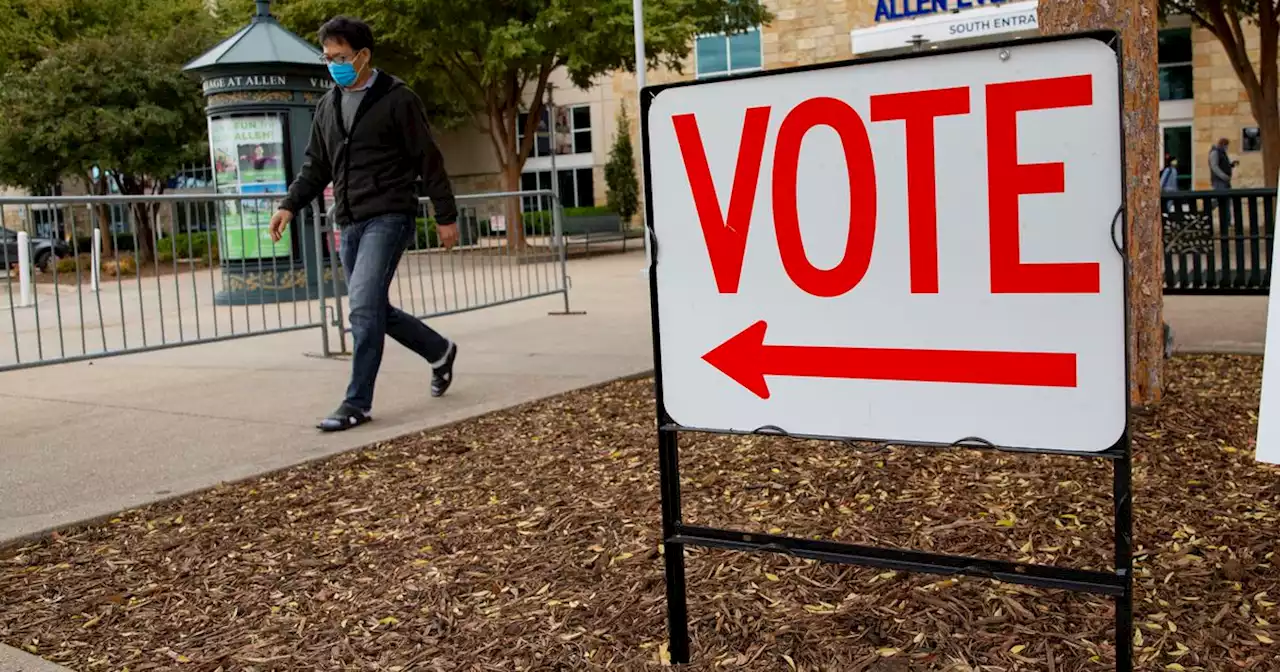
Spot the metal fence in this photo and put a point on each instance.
(124, 274)
(1218, 242)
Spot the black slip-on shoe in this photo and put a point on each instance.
(442, 376)
(346, 417)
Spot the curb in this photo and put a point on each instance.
(14, 660)
(1254, 349)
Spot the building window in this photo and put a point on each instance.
(577, 188)
(573, 131)
(1175, 64)
(580, 123)
(48, 221)
(1177, 143)
(719, 55)
(192, 176)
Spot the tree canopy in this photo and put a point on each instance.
(479, 62)
(95, 88)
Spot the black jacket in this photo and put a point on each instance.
(373, 165)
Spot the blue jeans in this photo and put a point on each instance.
(371, 250)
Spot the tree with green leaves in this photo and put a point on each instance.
(620, 171)
(95, 91)
(1229, 21)
(487, 62)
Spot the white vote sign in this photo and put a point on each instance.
(1268, 443)
(915, 250)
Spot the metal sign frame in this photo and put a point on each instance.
(676, 535)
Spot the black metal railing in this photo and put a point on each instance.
(1218, 242)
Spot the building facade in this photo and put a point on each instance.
(1201, 98)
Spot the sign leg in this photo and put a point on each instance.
(673, 553)
(1123, 493)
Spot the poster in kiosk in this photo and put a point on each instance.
(922, 249)
(248, 158)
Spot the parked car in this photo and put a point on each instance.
(45, 252)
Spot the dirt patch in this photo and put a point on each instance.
(528, 540)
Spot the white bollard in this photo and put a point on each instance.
(96, 260)
(24, 269)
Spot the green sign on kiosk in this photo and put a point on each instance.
(248, 158)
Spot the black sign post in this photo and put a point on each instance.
(676, 535)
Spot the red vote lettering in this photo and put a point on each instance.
(725, 234)
(1007, 179)
(861, 170)
(919, 109)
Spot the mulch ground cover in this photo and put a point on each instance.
(528, 540)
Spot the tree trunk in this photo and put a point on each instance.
(144, 239)
(1136, 22)
(1266, 104)
(514, 207)
(1269, 125)
(102, 214)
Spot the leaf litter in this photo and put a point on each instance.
(529, 540)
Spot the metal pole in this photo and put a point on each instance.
(1122, 492)
(551, 127)
(673, 552)
(324, 306)
(24, 269)
(557, 234)
(637, 11)
(96, 257)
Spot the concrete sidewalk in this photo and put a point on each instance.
(1227, 324)
(13, 660)
(84, 440)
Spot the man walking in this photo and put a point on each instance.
(371, 140)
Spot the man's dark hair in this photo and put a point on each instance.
(356, 33)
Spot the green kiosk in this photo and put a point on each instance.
(261, 87)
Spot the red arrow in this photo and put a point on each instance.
(746, 359)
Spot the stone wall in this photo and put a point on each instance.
(480, 184)
(804, 32)
(1222, 107)
(13, 216)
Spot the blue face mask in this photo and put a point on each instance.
(344, 74)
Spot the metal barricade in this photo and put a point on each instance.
(112, 275)
(510, 249)
(1218, 242)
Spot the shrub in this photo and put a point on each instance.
(67, 265)
(124, 266)
(198, 246)
(124, 242)
(427, 235)
(541, 223)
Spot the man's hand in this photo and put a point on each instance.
(280, 222)
(448, 235)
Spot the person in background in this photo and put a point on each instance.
(370, 138)
(1220, 165)
(1169, 176)
(1220, 169)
